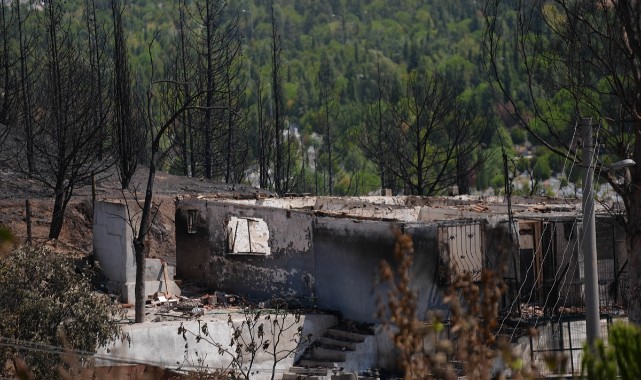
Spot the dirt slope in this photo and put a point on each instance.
(76, 236)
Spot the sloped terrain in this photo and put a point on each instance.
(76, 236)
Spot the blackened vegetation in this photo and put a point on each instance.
(422, 137)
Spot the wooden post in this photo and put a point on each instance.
(93, 189)
(28, 219)
(166, 278)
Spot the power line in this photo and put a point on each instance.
(59, 350)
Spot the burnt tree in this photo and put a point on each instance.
(376, 117)
(212, 38)
(285, 150)
(27, 77)
(266, 136)
(425, 133)
(65, 134)
(99, 67)
(585, 56)
(328, 101)
(127, 125)
(8, 90)
(236, 134)
(183, 134)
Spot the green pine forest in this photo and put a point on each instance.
(373, 94)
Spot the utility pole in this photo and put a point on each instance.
(591, 274)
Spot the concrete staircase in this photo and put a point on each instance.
(337, 355)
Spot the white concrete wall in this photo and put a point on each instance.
(113, 246)
(160, 344)
(113, 242)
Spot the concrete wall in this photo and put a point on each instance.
(347, 256)
(204, 255)
(329, 262)
(113, 241)
(113, 247)
(145, 339)
(193, 249)
(426, 268)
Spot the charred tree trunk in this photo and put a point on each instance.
(25, 91)
(139, 243)
(128, 137)
(230, 118)
(61, 199)
(326, 87)
(462, 174)
(7, 82)
(210, 20)
(279, 185)
(264, 139)
(157, 132)
(96, 45)
(185, 74)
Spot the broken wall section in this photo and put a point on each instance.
(246, 250)
(331, 262)
(113, 247)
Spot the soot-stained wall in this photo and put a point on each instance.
(347, 257)
(329, 262)
(205, 255)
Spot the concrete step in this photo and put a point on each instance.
(313, 363)
(338, 344)
(342, 376)
(339, 334)
(294, 376)
(345, 376)
(309, 371)
(322, 353)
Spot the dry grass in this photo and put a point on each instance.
(425, 352)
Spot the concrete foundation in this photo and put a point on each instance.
(160, 344)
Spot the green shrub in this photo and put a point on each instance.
(542, 169)
(518, 136)
(45, 297)
(623, 354)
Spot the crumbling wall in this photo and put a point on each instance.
(193, 247)
(328, 261)
(286, 271)
(347, 254)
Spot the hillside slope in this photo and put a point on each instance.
(76, 237)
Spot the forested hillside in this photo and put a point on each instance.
(325, 97)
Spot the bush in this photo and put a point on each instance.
(44, 298)
(518, 136)
(622, 355)
(542, 169)
(425, 350)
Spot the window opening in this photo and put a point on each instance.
(191, 221)
(248, 236)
